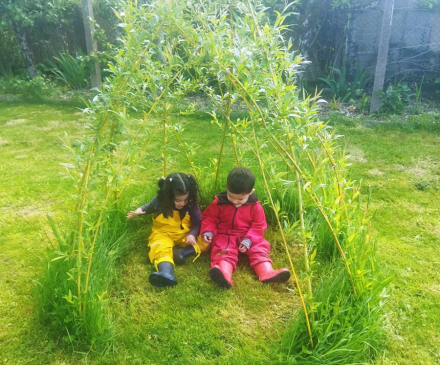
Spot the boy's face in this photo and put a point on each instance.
(238, 199)
(180, 201)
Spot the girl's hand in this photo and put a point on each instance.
(242, 248)
(191, 239)
(207, 239)
(137, 212)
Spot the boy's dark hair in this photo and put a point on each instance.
(240, 180)
(177, 184)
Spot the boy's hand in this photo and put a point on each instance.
(207, 238)
(137, 212)
(242, 248)
(191, 239)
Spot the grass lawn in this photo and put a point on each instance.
(401, 166)
(195, 322)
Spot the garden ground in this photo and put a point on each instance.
(398, 162)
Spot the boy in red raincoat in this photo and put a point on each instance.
(235, 222)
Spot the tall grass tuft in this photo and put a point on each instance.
(57, 289)
(348, 328)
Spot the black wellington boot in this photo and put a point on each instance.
(180, 254)
(165, 275)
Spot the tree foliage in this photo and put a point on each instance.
(49, 28)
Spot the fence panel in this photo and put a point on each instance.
(414, 49)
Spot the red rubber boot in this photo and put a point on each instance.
(268, 275)
(221, 274)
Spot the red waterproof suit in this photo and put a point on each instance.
(230, 225)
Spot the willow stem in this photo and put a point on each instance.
(164, 140)
(186, 154)
(282, 234)
(95, 237)
(227, 114)
(296, 169)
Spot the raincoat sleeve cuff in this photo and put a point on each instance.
(246, 242)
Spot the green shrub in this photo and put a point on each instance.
(395, 98)
(6, 70)
(37, 88)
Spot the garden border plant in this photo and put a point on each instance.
(228, 51)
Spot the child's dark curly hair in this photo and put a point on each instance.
(177, 184)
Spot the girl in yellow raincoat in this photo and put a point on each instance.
(176, 221)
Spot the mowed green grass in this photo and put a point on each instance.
(196, 322)
(31, 186)
(401, 166)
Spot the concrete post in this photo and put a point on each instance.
(382, 55)
(91, 44)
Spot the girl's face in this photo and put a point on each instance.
(180, 200)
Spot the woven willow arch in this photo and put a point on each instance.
(226, 50)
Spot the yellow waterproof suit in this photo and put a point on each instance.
(171, 231)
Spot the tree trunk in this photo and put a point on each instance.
(25, 50)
